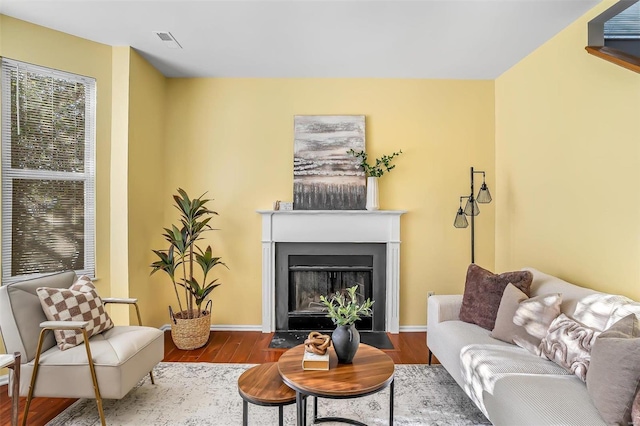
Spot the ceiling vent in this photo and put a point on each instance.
(168, 39)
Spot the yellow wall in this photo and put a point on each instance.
(567, 161)
(38, 45)
(119, 266)
(130, 134)
(234, 139)
(146, 187)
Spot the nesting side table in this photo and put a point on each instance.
(371, 371)
(262, 385)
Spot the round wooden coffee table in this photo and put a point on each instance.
(262, 385)
(371, 371)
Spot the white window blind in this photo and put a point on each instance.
(48, 171)
(625, 24)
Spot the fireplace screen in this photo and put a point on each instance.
(306, 271)
(312, 276)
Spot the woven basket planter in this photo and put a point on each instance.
(190, 333)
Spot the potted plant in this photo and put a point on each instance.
(344, 310)
(188, 266)
(382, 165)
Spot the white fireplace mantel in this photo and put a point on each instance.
(331, 226)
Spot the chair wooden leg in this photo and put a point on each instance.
(96, 388)
(36, 367)
(430, 354)
(151, 376)
(15, 389)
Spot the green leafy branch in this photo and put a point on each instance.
(382, 164)
(179, 259)
(347, 312)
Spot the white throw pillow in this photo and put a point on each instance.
(622, 311)
(594, 311)
(535, 315)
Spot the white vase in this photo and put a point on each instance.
(372, 193)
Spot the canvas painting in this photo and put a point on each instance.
(325, 176)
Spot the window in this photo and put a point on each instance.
(48, 171)
(625, 25)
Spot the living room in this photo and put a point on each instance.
(556, 134)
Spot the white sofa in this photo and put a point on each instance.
(509, 384)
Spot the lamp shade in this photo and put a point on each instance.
(471, 208)
(484, 196)
(461, 219)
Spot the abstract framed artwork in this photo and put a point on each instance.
(325, 176)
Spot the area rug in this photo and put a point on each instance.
(207, 394)
(289, 339)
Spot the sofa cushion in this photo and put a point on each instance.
(80, 302)
(568, 344)
(451, 337)
(483, 292)
(614, 373)
(483, 365)
(122, 355)
(541, 400)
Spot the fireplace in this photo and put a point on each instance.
(344, 231)
(306, 271)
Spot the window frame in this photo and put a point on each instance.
(8, 173)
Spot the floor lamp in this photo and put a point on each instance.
(471, 208)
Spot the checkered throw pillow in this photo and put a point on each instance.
(78, 303)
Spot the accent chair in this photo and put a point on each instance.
(107, 365)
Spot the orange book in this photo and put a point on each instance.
(311, 361)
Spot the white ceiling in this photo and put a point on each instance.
(458, 39)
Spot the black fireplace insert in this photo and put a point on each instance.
(306, 271)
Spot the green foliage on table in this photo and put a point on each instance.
(346, 310)
(179, 260)
(378, 169)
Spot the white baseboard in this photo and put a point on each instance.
(412, 328)
(230, 327)
(4, 379)
(223, 327)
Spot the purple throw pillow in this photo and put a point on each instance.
(483, 292)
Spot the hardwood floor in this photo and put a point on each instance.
(224, 346)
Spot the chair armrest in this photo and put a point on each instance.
(63, 325)
(129, 301)
(443, 308)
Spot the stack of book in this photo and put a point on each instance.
(311, 361)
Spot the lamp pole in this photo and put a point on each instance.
(473, 216)
(471, 208)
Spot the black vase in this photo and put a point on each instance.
(346, 340)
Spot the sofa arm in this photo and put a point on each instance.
(443, 308)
